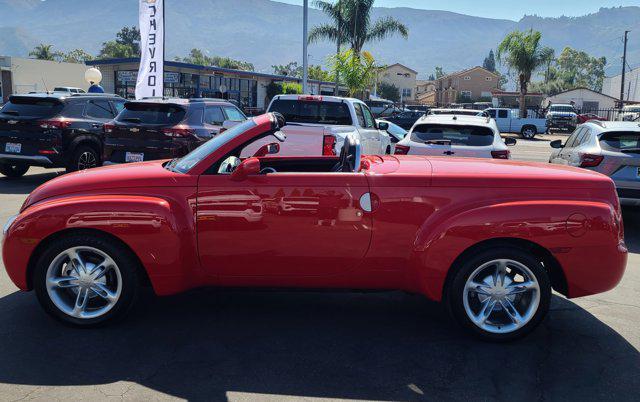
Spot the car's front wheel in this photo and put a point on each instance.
(86, 280)
(84, 157)
(500, 294)
(13, 171)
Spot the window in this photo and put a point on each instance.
(572, 140)
(313, 112)
(467, 78)
(406, 92)
(368, 117)
(99, 110)
(213, 115)
(152, 113)
(625, 141)
(234, 114)
(32, 107)
(492, 113)
(465, 94)
(75, 109)
(118, 106)
(503, 114)
(359, 114)
(455, 134)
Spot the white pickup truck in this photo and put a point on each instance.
(508, 121)
(318, 125)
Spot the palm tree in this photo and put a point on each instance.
(352, 24)
(44, 52)
(522, 52)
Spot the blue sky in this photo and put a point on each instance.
(507, 9)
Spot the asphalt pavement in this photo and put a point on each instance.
(259, 345)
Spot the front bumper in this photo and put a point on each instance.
(37, 160)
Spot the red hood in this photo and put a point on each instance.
(136, 175)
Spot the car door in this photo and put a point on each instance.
(99, 112)
(282, 224)
(373, 134)
(503, 121)
(566, 153)
(213, 119)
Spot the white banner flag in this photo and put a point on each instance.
(150, 76)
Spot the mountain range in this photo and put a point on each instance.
(266, 32)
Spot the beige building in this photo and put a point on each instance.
(426, 92)
(20, 75)
(468, 85)
(404, 78)
(584, 99)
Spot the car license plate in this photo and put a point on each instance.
(133, 157)
(13, 148)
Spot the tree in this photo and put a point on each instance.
(197, 56)
(440, 72)
(490, 62)
(579, 69)
(77, 56)
(356, 71)
(291, 88)
(289, 70)
(389, 91)
(523, 53)
(126, 45)
(351, 23)
(317, 73)
(432, 77)
(45, 52)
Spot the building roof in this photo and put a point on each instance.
(499, 92)
(583, 89)
(215, 69)
(403, 66)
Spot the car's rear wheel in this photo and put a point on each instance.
(500, 294)
(528, 132)
(84, 157)
(86, 280)
(13, 171)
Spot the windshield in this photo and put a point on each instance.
(151, 113)
(621, 141)
(397, 131)
(458, 135)
(32, 107)
(184, 164)
(563, 109)
(313, 112)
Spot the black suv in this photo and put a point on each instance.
(153, 129)
(54, 130)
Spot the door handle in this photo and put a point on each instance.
(449, 153)
(96, 125)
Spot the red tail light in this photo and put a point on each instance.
(310, 98)
(505, 154)
(402, 150)
(328, 145)
(178, 131)
(108, 128)
(589, 160)
(54, 123)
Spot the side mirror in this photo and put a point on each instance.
(267, 149)
(557, 144)
(250, 166)
(510, 141)
(227, 124)
(383, 125)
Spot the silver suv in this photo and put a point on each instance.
(608, 147)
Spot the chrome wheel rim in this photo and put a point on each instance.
(87, 161)
(84, 282)
(501, 296)
(528, 133)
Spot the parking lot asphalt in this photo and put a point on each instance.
(259, 345)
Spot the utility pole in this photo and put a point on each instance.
(305, 55)
(337, 91)
(624, 67)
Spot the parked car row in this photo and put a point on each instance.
(490, 240)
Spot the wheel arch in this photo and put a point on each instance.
(42, 246)
(550, 263)
(84, 139)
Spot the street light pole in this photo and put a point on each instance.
(305, 55)
(337, 91)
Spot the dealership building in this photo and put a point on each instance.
(186, 80)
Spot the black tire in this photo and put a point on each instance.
(454, 294)
(13, 171)
(528, 132)
(84, 157)
(127, 265)
(388, 151)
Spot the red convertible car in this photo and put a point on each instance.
(488, 238)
